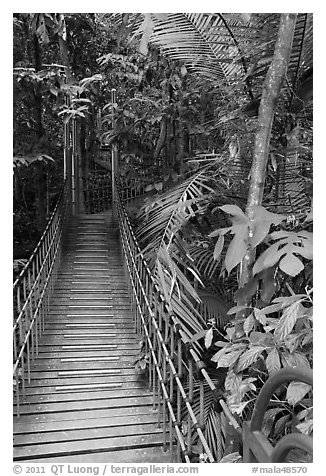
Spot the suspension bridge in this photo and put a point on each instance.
(86, 305)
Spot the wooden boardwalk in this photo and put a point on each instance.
(85, 403)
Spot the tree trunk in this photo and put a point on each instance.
(271, 91)
(161, 140)
(39, 168)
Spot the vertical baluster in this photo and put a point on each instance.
(28, 363)
(179, 459)
(16, 376)
(38, 294)
(154, 342)
(23, 374)
(42, 256)
(18, 299)
(164, 357)
(190, 397)
(160, 357)
(201, 412)
(30, 309)
(15, 345)
(171, 394)
(21, 329)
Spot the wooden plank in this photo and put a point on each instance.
(119, 387)
(51, 374)
(70, 416)
(70, 435)
(91, 349)
(54, 407)
(147, 455)
(40, 427)
(125, 376)
(88, 446)
(85, 395)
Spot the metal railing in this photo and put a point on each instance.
(176, 372)
(32, 291)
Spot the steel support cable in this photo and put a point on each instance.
(183, 336)
(167, 356)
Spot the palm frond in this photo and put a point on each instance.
(214, 423)
(165, 216)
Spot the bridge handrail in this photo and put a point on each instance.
(32, 291)
(151, 305)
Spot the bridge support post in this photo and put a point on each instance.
(114, 155)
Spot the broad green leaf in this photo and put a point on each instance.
(261, 338)
(249, 357)
(306, 250)
(248, 324)
(306, 427)
(291, 265)
(296, 391)
(272, 308)
(269, 285)
(237, 249)
(234, 210)
(269, 419)
(208, 338)
(268, 258)
(260, 316)
(263, 219)
(238, 407)
(288, 320)
(158, 186)
(236, 309)
(296, 359)
(228, 359)
(261, 214)
(232, 381)
(281, 424)
(261, 230)
(231, 458)
(218, 247)
(220, 231)
(273, 362)
(221, 343)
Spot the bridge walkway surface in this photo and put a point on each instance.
(84, 402)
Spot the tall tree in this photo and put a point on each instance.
(270, 95)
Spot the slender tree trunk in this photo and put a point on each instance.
(161, 140)
(271, 91)
(39, 168)
(70, 158)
